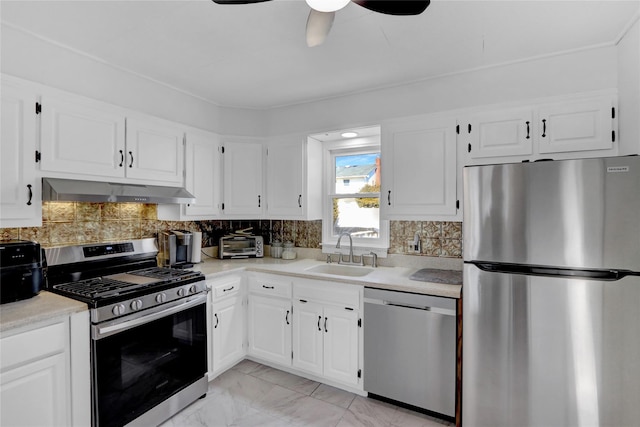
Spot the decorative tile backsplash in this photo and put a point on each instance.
(68, 223)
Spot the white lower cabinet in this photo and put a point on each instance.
(226, 323)
(326, 330)
(39, 384)
(269, 318)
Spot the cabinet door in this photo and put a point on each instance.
(203, 174)
(576, 126)
(285, 166)
(154, 151)
(308, 332)
(269, 329)
(228, 336)
(242, 166)
(500, 133)
(341, 345)
(35, 394)
(81, 137)
(20, 191)
(419, 172)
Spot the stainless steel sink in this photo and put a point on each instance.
(341, 270)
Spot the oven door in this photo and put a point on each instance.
(140, 361)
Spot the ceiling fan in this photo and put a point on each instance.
(323, 12)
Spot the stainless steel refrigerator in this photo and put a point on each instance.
(551, 294)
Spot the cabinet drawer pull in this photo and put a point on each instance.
(30, 194)
(303, 301)
(527, 130)
(544, 128)
(267, 287)
(228, 289)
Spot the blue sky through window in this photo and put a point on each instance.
(357, 159)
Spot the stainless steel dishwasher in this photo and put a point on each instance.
(410, 349)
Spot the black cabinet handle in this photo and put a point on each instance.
(286, 318)
(228, 289)
(131, 154)
(389, 198)
(259, 201)
(319, 319)
(30, 194)
(300, 200)
(217, 320)
(469, 128)
(544, 127)
(527, 130)
(325, 325)
(121, 158)
(267, 287)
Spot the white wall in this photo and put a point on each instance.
(582, 71)
(629, 91)
(32, 58)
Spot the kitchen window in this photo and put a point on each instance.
(352, 201)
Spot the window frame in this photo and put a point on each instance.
(361, 245)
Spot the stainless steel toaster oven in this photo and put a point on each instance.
(241, 247)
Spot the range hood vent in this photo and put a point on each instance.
(71, 190)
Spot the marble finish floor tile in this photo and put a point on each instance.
(251, 395)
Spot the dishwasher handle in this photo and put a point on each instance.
(439, 310)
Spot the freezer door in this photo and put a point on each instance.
(546, 351)
(569, 213)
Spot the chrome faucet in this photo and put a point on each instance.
(350, 247)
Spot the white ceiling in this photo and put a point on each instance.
(255, 56)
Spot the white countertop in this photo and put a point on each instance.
(44, 306)
(392, 278)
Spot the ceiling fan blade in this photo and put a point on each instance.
(395, 7)
(318, 26)
(238, 1)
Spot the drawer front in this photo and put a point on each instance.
(34, 344)
(225, 287)
(337, 294)
(267, 284)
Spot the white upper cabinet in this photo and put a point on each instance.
(294, 179)
(20, 188)
(155, 150)
(81, 136)
(243, 195)
(419, 169)
(579, 125)
(500, 133)
(558, 128)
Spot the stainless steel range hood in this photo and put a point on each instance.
(71, 190)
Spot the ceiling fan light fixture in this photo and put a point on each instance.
(327, 5)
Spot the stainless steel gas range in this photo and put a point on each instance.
(148, 329)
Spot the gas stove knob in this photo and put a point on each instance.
(118, 309)
(182, 292)
(136, 304)
(161, 297)
(193, 289)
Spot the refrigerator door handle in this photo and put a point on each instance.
(534, 270)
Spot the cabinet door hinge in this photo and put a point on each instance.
(613, 136)
(359, 373)
(457, 204)
(613, 112)
(360, 323)
(38, 108)
(38, 156)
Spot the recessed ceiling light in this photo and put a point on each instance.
(349, 134)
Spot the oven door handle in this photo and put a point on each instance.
(107, 330)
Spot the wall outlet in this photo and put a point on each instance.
(412, 248)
